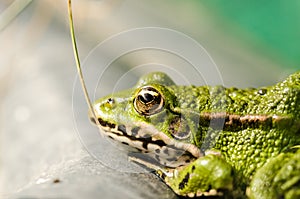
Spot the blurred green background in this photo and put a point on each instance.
(273, 24)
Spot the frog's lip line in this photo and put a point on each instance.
(151, 139)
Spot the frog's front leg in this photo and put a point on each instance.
(208, 175)
(279, 178)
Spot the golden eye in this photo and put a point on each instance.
(148, 101)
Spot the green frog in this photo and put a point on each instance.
(211, 140)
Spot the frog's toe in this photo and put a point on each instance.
(210, 175)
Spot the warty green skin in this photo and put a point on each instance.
(241, 134)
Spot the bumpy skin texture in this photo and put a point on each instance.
(253, 133)
(248, 148)
(279, 178)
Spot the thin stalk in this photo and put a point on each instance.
(86, 95)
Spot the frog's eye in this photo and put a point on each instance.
(148, 101)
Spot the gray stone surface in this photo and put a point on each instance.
(87, 178)
(39, 139)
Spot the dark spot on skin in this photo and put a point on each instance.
(145, 145)
(179, 152)
(184, 182)
(125, 143)
(182, 134)
(92, 119)
(102, 122)
(166, 151)
(56, 180)
(159, 143)
(135, 131)
(157, 151)
(111, 137)
(157, 158)
(262, 91)
(171, 159)
(146, 141)
(187, 161)
(172, 147)
(209, 188)
(244, 106)
(162, 176)
(122, 128)
(232, 172)
(193, 168)
(110, 125)
(147, 137)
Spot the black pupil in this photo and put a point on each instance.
(146, 98)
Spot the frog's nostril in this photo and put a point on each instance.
(109, 103)
(110, 100)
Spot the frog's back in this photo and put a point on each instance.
(258, 123)
(280, 99)
(283, 98)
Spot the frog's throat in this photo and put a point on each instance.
(147, 139)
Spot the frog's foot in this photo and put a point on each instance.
(210, 175)
(279, 178)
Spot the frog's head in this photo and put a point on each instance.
(145, 118)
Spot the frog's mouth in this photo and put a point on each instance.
(148, 140)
